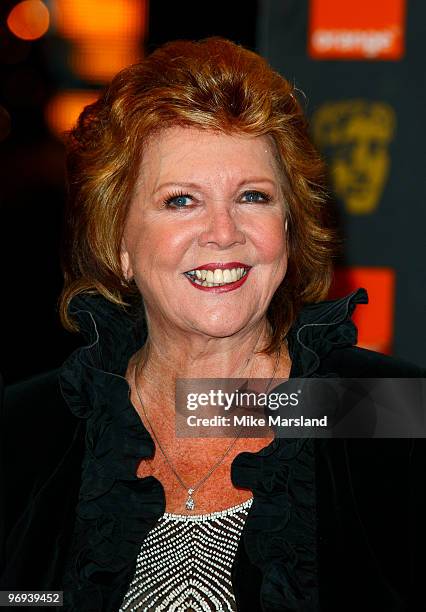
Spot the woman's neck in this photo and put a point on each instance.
(172, 355)
(192, 355)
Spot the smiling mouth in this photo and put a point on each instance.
(212, 276)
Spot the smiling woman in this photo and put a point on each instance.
(199, 246)
(216, 87)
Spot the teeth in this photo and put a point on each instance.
(227, 277)
(216, 278)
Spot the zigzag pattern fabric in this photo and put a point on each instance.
(185, 563)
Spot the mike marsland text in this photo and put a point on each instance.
(251, 421)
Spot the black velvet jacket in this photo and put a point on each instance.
(335, 525)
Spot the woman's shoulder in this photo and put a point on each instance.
(354, 361)
(36, 422)
(41, 451)
(36, 400)
(43, 384)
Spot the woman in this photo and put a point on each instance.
(194, 187)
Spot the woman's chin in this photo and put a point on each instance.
(218, 327)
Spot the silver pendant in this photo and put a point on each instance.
(190, 503)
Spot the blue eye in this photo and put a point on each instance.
(256, 197)
(178, 200)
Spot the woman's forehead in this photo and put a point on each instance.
(189, 153)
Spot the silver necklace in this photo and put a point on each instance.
(190, 502)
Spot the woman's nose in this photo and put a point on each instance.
(221, 229)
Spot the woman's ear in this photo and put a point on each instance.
(126, 266)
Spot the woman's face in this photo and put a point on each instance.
(205, 235)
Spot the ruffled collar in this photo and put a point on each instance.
(116, 509)
(113, 334)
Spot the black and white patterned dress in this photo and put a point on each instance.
(185, 563)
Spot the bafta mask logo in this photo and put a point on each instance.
(355, 136)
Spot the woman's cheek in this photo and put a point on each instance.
(271, 242)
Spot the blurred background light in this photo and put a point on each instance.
(100, 60)
(64, 108)
(105, 36)
(29, 19)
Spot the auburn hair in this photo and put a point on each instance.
(211, 84)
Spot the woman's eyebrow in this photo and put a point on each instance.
(257, 179)
(182, 184)
(191, 185)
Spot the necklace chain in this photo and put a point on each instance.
(190, 503)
